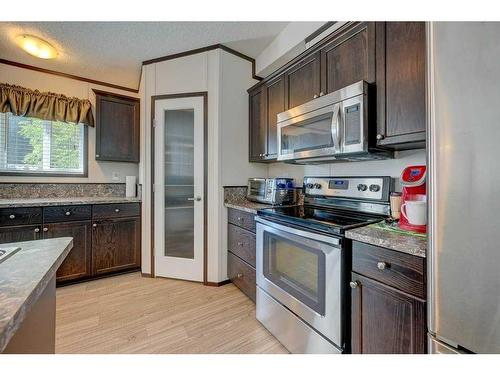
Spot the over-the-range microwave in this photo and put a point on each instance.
(332, 127)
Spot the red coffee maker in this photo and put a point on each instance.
(414, 188)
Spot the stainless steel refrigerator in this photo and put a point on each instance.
(464, 187)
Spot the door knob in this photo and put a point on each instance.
(354, 284)
(197, 199)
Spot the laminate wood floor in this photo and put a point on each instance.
(134, 314)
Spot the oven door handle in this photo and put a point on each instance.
(302, 233)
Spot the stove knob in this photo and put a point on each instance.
(309, 186)
(362, 187)
(317, 186)
(374, 188)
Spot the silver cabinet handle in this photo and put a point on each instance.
(382, 265)
(321, 93)
(240, 243)
(45, 229)
(117, 210)
(37, 230)
(94, 225)
(239, 276)
(67, 213)
(96, 155)
(197, 199)
(354, 284)
(12, 216)
(380, 136)
(315, 96)
(239, 218)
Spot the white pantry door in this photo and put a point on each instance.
(179, 177)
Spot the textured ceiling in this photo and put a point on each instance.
(113, 51)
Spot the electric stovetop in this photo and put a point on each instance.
(318, 218)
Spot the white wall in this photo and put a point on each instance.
(97, 171)
(288, 44)
(389, 167)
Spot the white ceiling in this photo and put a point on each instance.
(113, 51)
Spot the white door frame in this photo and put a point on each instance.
(204, 96)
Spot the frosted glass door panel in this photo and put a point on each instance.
(179, 183)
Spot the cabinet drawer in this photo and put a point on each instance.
(20, 216)
(105, 211)
(66, 213)
(242, 275)
(242, 219)
(399, 270)
(241, 243)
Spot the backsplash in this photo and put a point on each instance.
(46, 190)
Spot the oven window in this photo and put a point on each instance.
(257, 188)
(297, 269)
(310, 134)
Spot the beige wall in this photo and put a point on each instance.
(98, 171)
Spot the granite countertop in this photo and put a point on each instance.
(38, 202)
(388, 236)
(23, 278)
(246, 205)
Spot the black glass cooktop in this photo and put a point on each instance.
(318, 218)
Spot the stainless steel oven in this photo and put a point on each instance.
(331, 127)
(299, 274)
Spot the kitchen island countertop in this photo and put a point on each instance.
(385, 235)
(24, 277)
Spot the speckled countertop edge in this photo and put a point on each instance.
(24, 292)
(401, 242)
(43, 202)
(250, 207)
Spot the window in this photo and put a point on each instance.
(34, 146)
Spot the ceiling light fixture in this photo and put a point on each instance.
(36, 46)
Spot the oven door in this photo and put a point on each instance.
(312, 134)
(302, 271)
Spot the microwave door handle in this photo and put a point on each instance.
(336, 127)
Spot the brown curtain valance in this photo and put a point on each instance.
(44, 105)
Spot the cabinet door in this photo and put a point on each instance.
(302, 81)
(78, 262)
(116, 245)
(275, 102)
(258, 125)
(401, 77)
(117, 127)
(349, 58)
(385, 320)
(19, 233)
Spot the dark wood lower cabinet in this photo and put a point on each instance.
(116, 245)
(385, 320)
(20, 233)
(242, 275)
(77, 264)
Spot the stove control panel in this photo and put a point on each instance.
(372, 188)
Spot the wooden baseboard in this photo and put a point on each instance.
(211, 283)
(146, 274)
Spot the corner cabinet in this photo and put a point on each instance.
(401, 85)
(389, 55)
(117, 127)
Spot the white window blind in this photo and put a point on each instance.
(31, 145)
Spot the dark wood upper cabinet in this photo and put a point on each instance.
(401, 85)
(349, 58)
(303, 81)
(385, 320)
(257, 125)
(117, 127)
(78, 262)
(116, 245)
(275, 102)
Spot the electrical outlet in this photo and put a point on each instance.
(115, 176)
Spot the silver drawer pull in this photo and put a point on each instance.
(67, 213)
(240, 243)
(239, 218)
(382, 265)
(45, 229)
(354, 284)
(12, 216)
(37, 230)
(117, 210)
(239, 276)
(94, 225)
